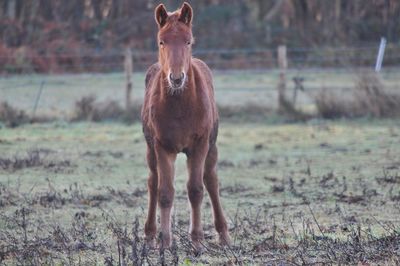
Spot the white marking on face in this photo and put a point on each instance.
(173, 86)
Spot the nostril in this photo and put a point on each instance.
(178, 80)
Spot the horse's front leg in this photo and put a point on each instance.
(150, 226)
(195, 164)
(165, 169)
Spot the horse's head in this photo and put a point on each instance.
(175, 43)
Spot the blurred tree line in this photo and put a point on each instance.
(64, 27)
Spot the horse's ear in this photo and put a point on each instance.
(186, 14)
(161, 15)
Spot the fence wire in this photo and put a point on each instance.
(242, 77)
(111, 60)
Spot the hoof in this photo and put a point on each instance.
(164, 242)
(150, 232)
(197, 237)
(224, 239)
(151, 242)
(198, 248)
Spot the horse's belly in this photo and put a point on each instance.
(173, 144)
(178, 138)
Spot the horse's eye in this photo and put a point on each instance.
(188, 43)
(161, 43)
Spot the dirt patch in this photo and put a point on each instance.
(116, 154)
(277, 189)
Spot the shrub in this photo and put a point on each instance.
(11, 116)
(88, 109)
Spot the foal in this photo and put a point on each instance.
(180, 115)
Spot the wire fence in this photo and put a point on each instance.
(111, 60)
(242, 76)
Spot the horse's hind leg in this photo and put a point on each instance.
(211, 183)
(150, 227)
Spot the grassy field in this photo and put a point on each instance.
(318, 192)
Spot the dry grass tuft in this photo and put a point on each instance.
(369, 98)
(248, 111)
(11, 116)
(31, 239)
(330, 105)
(372, 98)
(89, 109)
(84, 108)
(35, 158)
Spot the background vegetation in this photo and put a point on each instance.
(79, 35)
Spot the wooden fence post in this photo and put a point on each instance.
(282, 62)
(128, 66)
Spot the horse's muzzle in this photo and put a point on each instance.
(176, 82)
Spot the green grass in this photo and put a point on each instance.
(109, 159)
(343, 145)
(89, 179)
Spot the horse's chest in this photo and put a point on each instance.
(178, 128)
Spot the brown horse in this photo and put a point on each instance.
(180, 115)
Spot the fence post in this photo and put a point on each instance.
(282, 62)
(381, 53)
(37, 99)
(128, 66)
